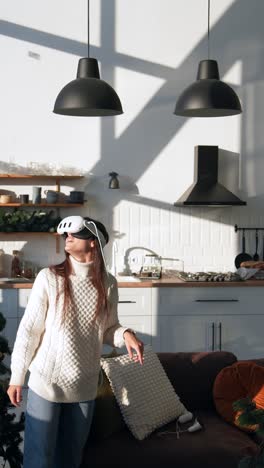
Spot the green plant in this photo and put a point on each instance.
(250, 415)
(10, 430)
(28, 221)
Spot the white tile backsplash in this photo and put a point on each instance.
(204, 239)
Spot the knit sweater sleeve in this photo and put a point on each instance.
(30, 330)
(113, 332)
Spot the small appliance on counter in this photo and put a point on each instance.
(151, 268)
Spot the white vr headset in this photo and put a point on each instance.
(75, 224)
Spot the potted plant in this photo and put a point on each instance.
(10, 430)
(250, 415)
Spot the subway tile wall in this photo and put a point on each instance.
(204, 239)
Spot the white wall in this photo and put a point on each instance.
(149, 51)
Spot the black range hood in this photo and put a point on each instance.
(206, 190)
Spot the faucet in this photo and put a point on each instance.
(127, 269)
(114, 251)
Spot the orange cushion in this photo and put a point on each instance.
(242, 379)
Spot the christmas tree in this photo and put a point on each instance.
(10, 430)
(251, 416)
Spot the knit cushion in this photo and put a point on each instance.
(242, 379)
(107, 418)
(144, 393)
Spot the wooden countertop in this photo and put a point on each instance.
(176, 283)
(11, 285)
(162, 283)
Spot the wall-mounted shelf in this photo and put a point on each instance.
(39, 176)
(34, 233)
(43, 205)
(28, 178)
(39, 233)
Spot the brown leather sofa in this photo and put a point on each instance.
(217, 445)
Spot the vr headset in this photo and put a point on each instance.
(82, 229)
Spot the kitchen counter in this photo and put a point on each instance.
(148, 283)
(16, 285)
(175, 282)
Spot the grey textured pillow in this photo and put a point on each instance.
(146, 398)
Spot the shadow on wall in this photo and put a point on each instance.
(154, 127)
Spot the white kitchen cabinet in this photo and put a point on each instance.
(12, 305)
(134, 311)
(177, 319)
(8, 303)
(176, 333)
(23, 297)
(8, 307)
(141, 325)
(242, 335)
(134, 301)
(209, 318)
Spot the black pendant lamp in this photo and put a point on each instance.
(88, 95)
(208, 96)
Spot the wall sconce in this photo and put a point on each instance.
(113, 182)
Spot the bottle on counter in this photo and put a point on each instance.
(2, 266)
(27, 269)
(15, 264)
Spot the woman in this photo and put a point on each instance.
(72, 310)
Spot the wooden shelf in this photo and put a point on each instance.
(30, 232)
(39, 176)
(34, 233)
(29, 177)
(57, 178)
(43, 205)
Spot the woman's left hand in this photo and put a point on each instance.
(132, 343)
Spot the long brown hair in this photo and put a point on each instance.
(98, 277)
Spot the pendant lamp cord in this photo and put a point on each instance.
(208, 30)
(88, 28)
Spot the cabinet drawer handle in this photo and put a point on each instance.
(216, 300)
(126, 302)
(220, 336)
(213, 336)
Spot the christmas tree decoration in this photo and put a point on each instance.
(253, 417)
(10, 430)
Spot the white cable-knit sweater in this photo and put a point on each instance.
(64, 358)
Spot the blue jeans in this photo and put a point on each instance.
(55, 433)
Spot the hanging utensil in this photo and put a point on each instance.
(256, 255)
(242, 257)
